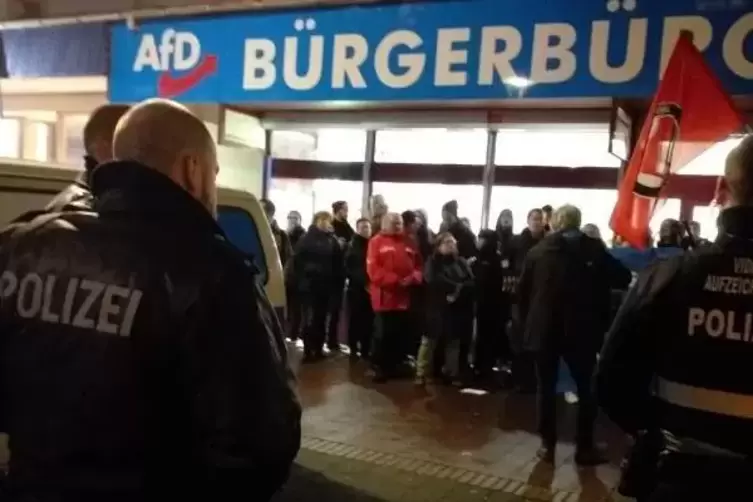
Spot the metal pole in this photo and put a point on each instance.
(488, 176)
(367, 178)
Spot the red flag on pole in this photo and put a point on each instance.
(690, 112)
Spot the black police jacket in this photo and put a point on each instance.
(678, 353)
(77, 192)
(139, 357)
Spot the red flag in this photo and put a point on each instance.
(690, 112)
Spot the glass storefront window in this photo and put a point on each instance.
(431, 146)
(10, 142)
(309, 196)
(711, 162)
(74, 142)
(568, 146)
(595, 205)
(328, 145)
(431, 197)
(706, 216)
(42, 132)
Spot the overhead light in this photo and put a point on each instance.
(519, 82)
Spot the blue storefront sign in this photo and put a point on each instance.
(441, 50)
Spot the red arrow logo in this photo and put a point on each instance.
(169, 86)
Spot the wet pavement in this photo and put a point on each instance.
(366, 442)
(398, 442)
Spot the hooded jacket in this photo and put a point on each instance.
(394, 267)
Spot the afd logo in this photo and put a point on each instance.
(174, 51)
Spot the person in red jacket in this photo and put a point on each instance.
(394, 267)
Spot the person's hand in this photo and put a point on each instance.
(472, 260)
(406, 281)
(451, 298)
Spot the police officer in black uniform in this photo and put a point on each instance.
(678, 355)
(97, 137)
(139, 358)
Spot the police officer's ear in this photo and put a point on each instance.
(189, 173)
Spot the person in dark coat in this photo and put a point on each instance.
(97, 135)
(490, 318)
(342, 229)
(360, 313)
(534, 232)
(424, 234)
(151, 366)
(295, 229)
(343, 232)
(316, 268)
(294, 311)
(506, 246)
(282, 241)
(523, 370)
(411, 227)
(546, 212)
(466, 241)
(561, 303)
(450, 289)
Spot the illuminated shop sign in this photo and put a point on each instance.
(458, 50)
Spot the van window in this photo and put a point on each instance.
(241, 229)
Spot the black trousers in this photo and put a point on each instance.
(315, 310)
(294, 313)
(333, 325)
(360, 322)
(389, 345)
(581, 364)
(492, 342)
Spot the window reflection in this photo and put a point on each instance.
(42, 132)
(711, 162)
(10, 138)
(309, 196)
(328, 145)
(431, 146)
(669, 209)
(568, 146)
(706, 216)
(431, 197)
(595, 205)
(74, 141)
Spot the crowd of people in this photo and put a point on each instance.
(493, 309)
(140, 358)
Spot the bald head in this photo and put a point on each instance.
(99, 130)
(738, 173)
(167, 137)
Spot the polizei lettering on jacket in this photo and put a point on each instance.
(462, 56)
(81, 303)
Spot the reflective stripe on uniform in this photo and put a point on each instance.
(712, 401)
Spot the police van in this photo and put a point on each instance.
(27, 186)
